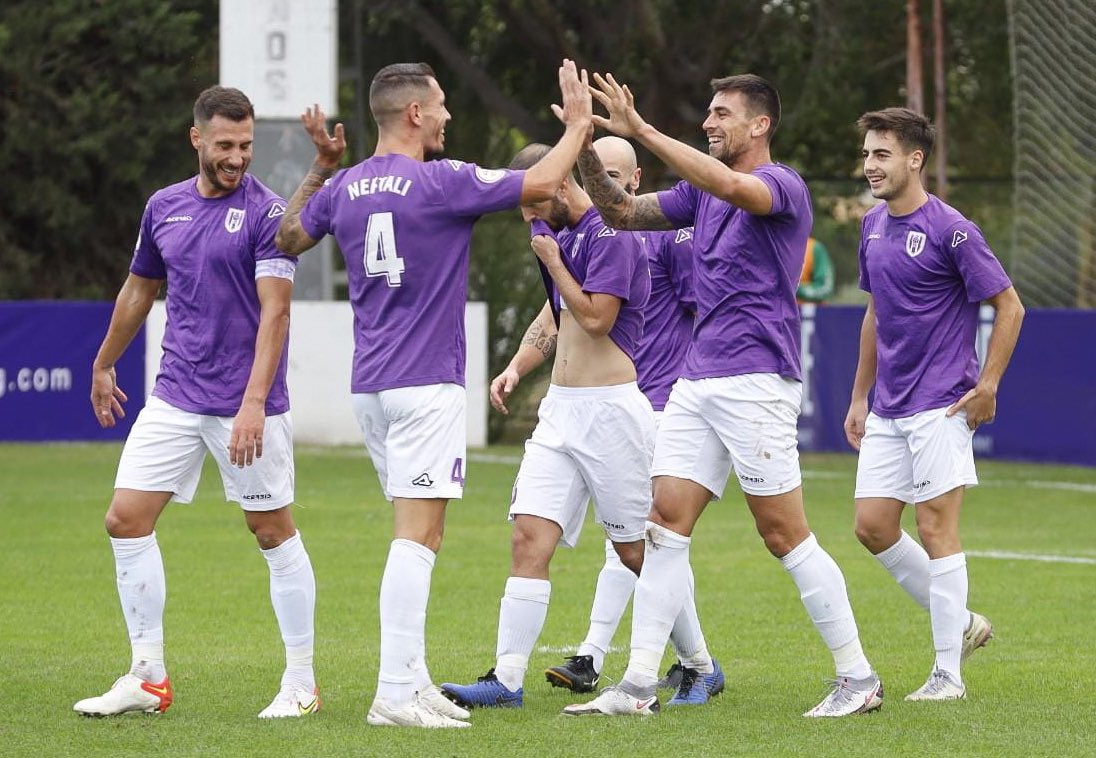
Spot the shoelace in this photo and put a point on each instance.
(841, 693)
(937, 682)
(688, 679)
(582, 662)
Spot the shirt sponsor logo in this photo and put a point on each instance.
(683, 235)
(276, 210)
(423, 480)
(177, 219)
(234, 220)
(490, 175)
(915, 244)
(958, 238)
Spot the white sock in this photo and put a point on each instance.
(822, 590)
(908, 563)
(687, 636)
(660, 594)
(948, 610)
(614, 589)
(142, 589)
(405, 590)
(521, 617)
(293, 595)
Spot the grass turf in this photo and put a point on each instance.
(1031, 692)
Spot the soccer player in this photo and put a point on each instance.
(221, 388)
(595, 429)
(926, 268)
(668, 323)
(404, 226)
(737, 403)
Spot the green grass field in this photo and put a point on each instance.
(1031, 692)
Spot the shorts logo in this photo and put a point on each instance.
(958, 238)
(752, 479)
(259, 496)
(234, 220)
(915, 244)
(610, 525)
(922, 485)
(423, 480)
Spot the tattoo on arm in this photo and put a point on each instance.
(537, 336)
(617, 207)
(291, 236)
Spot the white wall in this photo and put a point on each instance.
(320, 348)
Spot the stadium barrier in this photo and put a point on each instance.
(1046, 403)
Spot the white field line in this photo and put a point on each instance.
(1006, 555)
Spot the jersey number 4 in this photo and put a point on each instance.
(381, 257)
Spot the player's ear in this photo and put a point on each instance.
(760, 126)
(195, 137)
(414, 113)
(636, 178)
(917, 159)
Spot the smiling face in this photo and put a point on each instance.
(892, 170)
(224, 153)
(434, 116)
(731, 127)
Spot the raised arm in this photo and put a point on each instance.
(291, 238)
(702, 171)
(618, 208)
(131, 308)
(543, 179)
(980, 403)
(536, 346)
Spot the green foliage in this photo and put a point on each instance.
(94, 117)
(1030, 691)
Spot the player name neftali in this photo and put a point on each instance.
(372, 185)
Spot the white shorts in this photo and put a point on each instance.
(167, 446)
(747, 423)
(589, 442)
(917, 458)
(417, 439)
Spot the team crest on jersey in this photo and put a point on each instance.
(276, 210)
(234, 220)
(489, 175)
(958, 238)
(915, 244)
(683, 235)
(607, 231)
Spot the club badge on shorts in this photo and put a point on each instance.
(234, 220)
(915, 244)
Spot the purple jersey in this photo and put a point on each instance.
(927, 273)
(746, 271)
(206, 248)
(610, 262)
(404, 228)
(669, 315)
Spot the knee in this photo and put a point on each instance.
(125, 524)
(874, 536)
(631, 555)
(779, 542)
(271, 532)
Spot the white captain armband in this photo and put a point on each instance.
(277, 267)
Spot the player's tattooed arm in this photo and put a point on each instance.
(543, 339)
(291, 237)
(618, 208)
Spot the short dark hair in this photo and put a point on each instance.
(912, 129)
(227, 102)
(529, 156)
(761, 97)
(391, 81)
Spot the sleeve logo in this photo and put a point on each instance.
(278, 209)
(915, 244)
(489, 175)
(683, 235)
(454, 164)
(958, 238)
(607, 231)
(234, 220)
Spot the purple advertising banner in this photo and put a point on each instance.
(46, 350)
(1046, 404)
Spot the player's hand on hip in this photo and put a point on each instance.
(623, 119)
(246, 442)
(578, 106)
(329, 147)
(106, 397)
(855, 423)
(501, 387)
(980, 405)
